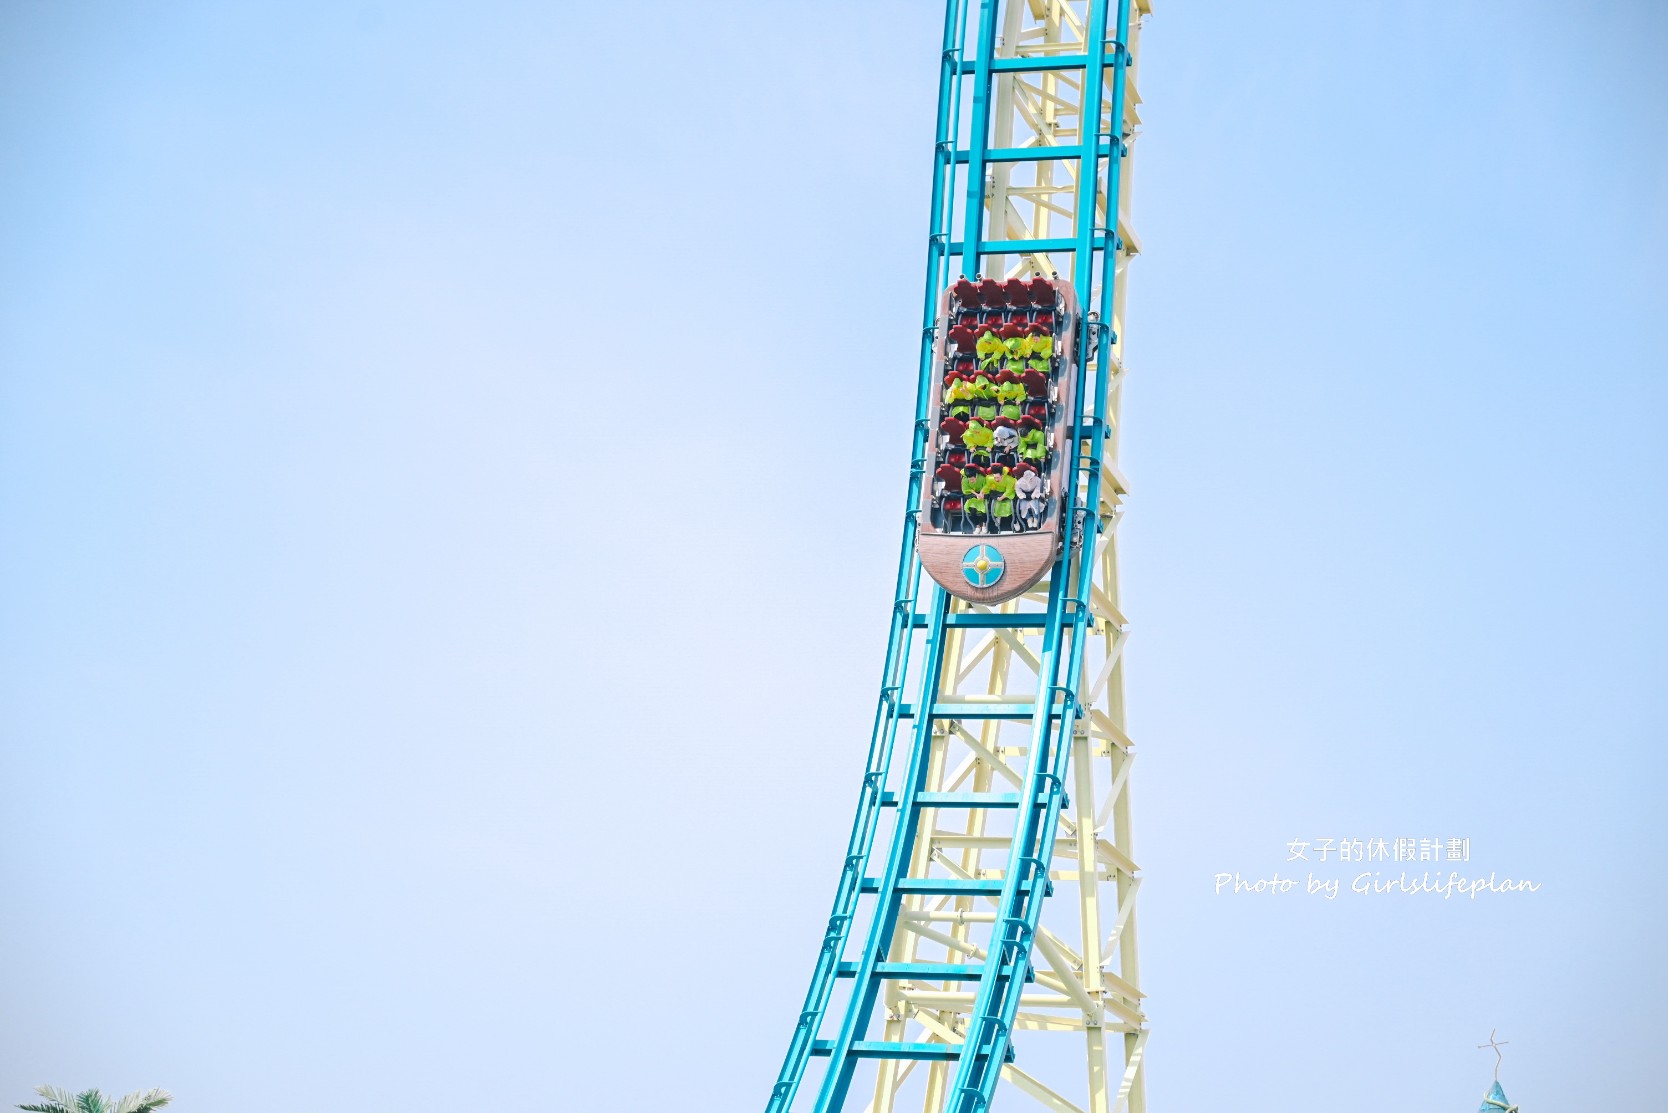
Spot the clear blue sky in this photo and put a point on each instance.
(388, 721)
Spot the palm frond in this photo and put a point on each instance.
(90, 1101)
(57, 1101)
(147, 1102)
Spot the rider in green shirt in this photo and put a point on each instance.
(978, 439)
(1033, 446)
(1010, 394)
(1000, 488)
(983, 390)
(958, 397)
(973, 486)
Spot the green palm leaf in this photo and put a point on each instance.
(92, 1101)
(57, 1101)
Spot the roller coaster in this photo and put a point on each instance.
(981, 948)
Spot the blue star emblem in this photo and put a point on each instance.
(982, 565)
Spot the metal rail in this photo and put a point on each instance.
(1037, 62)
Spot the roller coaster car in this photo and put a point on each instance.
(998, 451)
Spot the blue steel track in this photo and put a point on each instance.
(970, 64)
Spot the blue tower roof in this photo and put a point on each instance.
(1496, 1101)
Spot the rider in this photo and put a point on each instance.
(978, 440)
(999, 488)
(973, 485)
(1010, 394)
(1033, 444)
(1029, 488)
(983, 392)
